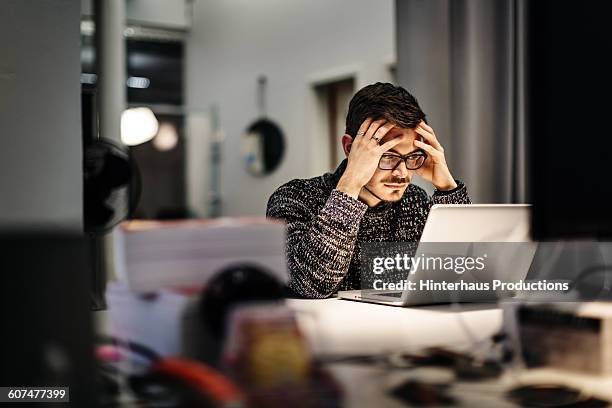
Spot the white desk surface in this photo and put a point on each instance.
(335, 326)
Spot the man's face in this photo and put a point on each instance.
(390, 185)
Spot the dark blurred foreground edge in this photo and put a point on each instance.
(568, 120)
(46, 326)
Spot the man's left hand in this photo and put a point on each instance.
(434, 169)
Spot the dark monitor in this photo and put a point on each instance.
(569, 120)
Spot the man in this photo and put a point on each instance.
(369, 197)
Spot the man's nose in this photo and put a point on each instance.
(401, 170)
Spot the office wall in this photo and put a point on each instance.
(171, 14)
(40, 116)
(296, 45)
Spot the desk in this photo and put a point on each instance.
(335, 326)
(341, 327)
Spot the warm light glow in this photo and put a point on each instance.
(138, 125)
(166, 138)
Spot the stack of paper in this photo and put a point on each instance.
(150, 255)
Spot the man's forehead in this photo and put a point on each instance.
(407, 135)
(399, 131)
(406, 145)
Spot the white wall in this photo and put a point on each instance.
(41, 174)
(171, 14)
(295, 44)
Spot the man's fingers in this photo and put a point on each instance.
(426, 126)
(373, 128)
(382, 131)
(430, 137)
(428, 148)
(390, 143)
(364, 127)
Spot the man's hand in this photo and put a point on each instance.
(364, 155)
(434, 169)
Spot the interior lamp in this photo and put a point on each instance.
(138, 125)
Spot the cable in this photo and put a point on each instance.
(138, 348)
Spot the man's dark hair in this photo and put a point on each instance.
(383, 101)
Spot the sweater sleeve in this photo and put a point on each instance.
(458, 195)
(319, 245)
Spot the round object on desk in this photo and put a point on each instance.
(234, 285)
(547, 395)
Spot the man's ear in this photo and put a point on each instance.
(347, 142)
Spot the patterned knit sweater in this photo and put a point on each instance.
(325, 228)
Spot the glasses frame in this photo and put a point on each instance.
(404, 158)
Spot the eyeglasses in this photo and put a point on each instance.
(413, 160)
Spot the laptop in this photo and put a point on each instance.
(496, 234)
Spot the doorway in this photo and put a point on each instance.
(332, 106)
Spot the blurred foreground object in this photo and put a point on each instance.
(46, 322)
(161, 381)
(550, 75)
(151, 255)
(155, 321)
(156, 326)
(265, 348)
(112, 183)
(552, 395)
(189, 322)
(572, 336)
(111, 189)
(233, 286)
(267, 354)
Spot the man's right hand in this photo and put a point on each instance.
(364, 155)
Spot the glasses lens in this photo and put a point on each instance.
(416, 161)
(388, 162)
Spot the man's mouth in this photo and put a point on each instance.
(395, 186)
